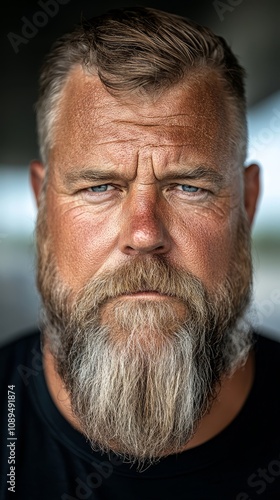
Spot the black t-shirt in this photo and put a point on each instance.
(47, 459)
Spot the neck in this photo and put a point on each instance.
(232, 395)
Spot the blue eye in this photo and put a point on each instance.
(99, 189)
(189, 189)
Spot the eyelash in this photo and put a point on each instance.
(189, 186)
(99, 186)
(194, 190)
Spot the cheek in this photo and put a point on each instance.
(81, 240)
(206, 249)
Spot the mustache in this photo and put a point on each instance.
(143, 275)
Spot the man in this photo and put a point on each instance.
(145, 379)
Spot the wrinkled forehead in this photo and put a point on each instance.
(192, 115)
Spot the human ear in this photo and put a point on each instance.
(37, 175)
(251, 190)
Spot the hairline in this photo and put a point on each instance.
(139, 95)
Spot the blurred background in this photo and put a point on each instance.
(27, 32)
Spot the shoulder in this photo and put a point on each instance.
(267, 361)
(267, 343)
(20, 342)
(19, 352)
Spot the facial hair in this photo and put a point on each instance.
(142, 373)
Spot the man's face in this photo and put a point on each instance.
(144, 261)
(142, 179)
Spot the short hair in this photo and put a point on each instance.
(138, 50)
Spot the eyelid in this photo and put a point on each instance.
(199, 194)
(188, 184)
(108, 185)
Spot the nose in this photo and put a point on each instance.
(143, 228)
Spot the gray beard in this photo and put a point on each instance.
(139, 375)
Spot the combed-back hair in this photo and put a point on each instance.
(142, 51)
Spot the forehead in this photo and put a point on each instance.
(191, 118)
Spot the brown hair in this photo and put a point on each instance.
(138, 50)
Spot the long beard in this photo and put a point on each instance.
(141, 374)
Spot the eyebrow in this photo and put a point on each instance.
(98, 174)
(200, 172)
(90, 174)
